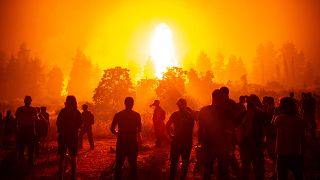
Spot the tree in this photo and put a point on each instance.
(113, 87)
(55, 82)
(82, 81)
(171, 87)
(203, 63)
(235, 68)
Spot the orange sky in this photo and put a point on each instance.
(115, 32)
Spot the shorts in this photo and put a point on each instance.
(68, 143)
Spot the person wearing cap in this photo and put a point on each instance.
(181, 136)
(26, 117)
(86, 128)
(68, 124)
(159, 115)
(129, 129)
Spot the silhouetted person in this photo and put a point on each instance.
(87, 122)
(251, 144)
(9, 129)
(68, 124)
(241, 103)
(290, 142)
(159, 115)
(212, 135)
(309, 113)
(45, 124)
(233, 111)
(42, 128)
(129, 128)
(26, 117)
(181, 135)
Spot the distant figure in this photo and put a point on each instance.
(159, 115)
(309, 106)
(212, 135)
(88, 121)
(241, 103)
(269, 109)
(129, 128)
(42, 128)
(251, 144)
(68, 124)
(26, 117)
(9, 129)
(290, 144)
(181, 144)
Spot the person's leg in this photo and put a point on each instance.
(209, 160)
(296, 166)
(60, 168)
(258, 165)
(174, 158)
(185, 156)
(282, 167)
(90, 138)
(245, 163)
(31, 148)
(81, 134)
(222, 159)
(73, 166)
(132, 159)
(120, 157)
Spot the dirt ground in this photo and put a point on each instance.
(153, 163)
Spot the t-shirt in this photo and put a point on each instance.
(183, 123)
(69, 121)
(128, 122)
(290, 134)
(26, 117)
(87, 118)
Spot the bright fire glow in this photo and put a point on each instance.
(162, 50)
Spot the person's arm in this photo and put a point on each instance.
(168, 126)
(114, 124)
(201, 128)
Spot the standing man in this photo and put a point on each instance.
(43, 128)
(212, 136)
(181, 144)
(88, 121)
(129, 128)
(159, 115)
(68, 124)
(26, 117)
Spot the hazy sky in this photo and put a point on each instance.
(114, 32)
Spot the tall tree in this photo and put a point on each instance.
(55, 82)
(171, 87)
(81, 79)
(203, 63)
(113, 87)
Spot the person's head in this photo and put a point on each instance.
(84, 107)
(288, 106)
(8, 113)
(155, 103)
(242, 99)
(182, 104)
(217, 97)
(128, 102)
(71, 102)
(27, 100)
(292, 94)
(225, 91)
(43, 109)
(253, 101)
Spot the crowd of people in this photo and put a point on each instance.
(250, 125)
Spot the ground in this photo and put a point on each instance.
(153, 163)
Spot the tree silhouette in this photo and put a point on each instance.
(235, 68)
(55, 82)
(171, 87)
(113, 87)
(82, 77)
(203, 63)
